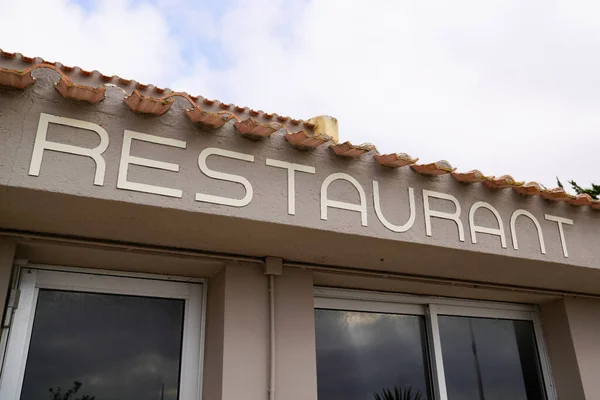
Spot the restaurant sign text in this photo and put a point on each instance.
(43, 144)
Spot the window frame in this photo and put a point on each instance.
(430, 307)
(34, 277)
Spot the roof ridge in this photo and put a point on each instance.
(254, 124)
(64, 70)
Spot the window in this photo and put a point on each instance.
(104, 336)
(373, 346)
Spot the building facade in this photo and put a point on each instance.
(157, 245)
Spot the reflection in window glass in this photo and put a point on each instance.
(360, 354)
(111, 347)
(490, 359)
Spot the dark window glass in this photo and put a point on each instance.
(110, 347)
(490, 359)
(360, 354)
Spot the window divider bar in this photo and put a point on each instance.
(435, 345)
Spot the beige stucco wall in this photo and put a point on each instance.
(7, 252)
(246, 333)
(561, 350)
(63, 201)
(237, 330)
(296, 375)
(245, 342)
(572, 333)
(584, 323)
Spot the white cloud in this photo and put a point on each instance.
(117, 37)
(503, 86)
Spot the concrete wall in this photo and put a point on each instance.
(7, 252)
(561, 350)
(71, 174)
(237, 332)
(64, 201)
(571, 328)
(584, 323)
(237, 348)
(296, 376)
(246, 333)
(129, 224)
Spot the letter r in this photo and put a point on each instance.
(41, 144)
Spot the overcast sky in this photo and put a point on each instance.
(507, 87)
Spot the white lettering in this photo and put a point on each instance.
(560, 221)
(41, 144)
(429, 213)
(513, 228)
(291, 168)
(326, 202)
(127, 159)
(384, 221)
(482, 229)
(207, 198)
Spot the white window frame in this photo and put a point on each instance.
(35, 277)
(430, 308)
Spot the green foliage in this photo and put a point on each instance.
(69, 394)
(593, 191)
(398, 394)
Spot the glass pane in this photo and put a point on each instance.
(361, 354)
(490, 359)
(110, 347)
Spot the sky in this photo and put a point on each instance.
(503, 86)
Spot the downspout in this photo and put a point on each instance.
(273, 266)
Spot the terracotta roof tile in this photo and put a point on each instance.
(29, 60)
(7, 54)
(16, 79)
(395, 160)
(556, 194)
(208, 120)
(70, 90)
(582, 200)
(305, 140)
(472, 176)
(503, 182)
(256, 130)
(146, 104)
(437, 168)
(20, 77)
(530, 189)
(348, 149)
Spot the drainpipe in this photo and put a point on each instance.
(273, 267)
